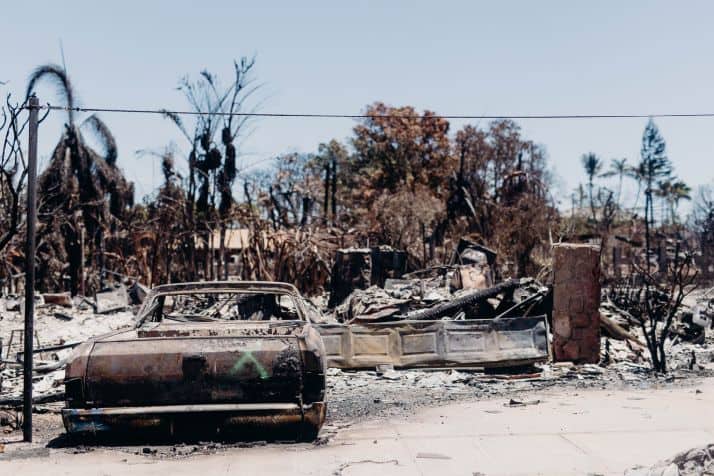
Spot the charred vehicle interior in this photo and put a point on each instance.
(222, 306)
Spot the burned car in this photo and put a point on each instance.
(224, 356)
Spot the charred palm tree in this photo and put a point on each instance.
(83, 196)
(212, 159)
(618, 168)
(592, 165)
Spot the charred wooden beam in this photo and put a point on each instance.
(448, 308)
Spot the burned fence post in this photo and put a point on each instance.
(33, 107)
(576, 303)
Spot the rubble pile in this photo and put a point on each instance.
(461, 290)
(694, 462)
(60, 323)
(689, 347)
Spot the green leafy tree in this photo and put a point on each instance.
(654, 166)
(672, 191)
(677, 279)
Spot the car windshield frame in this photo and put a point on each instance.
(157, 296)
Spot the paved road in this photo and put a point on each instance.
(589, 432)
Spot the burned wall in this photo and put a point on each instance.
(360, 268)
(576, 303)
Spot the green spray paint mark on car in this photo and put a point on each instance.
(245, 359)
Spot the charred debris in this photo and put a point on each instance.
(458, 315)
(370, 285)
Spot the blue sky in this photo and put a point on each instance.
(453, 57)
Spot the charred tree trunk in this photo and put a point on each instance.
(167, 279)
(154, 263)
(223, 260)
(327, 194)
(74, 257)
(306, 206)
(334, 190)
(247, 196)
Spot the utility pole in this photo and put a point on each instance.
(33, 107)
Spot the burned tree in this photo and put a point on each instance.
(592, 165)
(703, 225)
(158, 229)
(655, 304)
(83, 199)
(13, 178)
(12, 171)
(401, 157)
(293, 191)
(332, 156)
(502, 192)
(398, 147)
(212, 167)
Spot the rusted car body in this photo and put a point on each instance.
(228, 356)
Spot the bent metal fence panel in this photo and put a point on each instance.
(405, 344)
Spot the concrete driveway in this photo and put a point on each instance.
(588, 432)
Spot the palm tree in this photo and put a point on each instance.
(664, 191)
(637, 174)
(680, 191)
(618, 168)
(672, 191)
(80, 190)
(592, 165)
(212, 165)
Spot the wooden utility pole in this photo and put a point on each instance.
(33, 106)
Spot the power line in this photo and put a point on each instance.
(372, 116)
